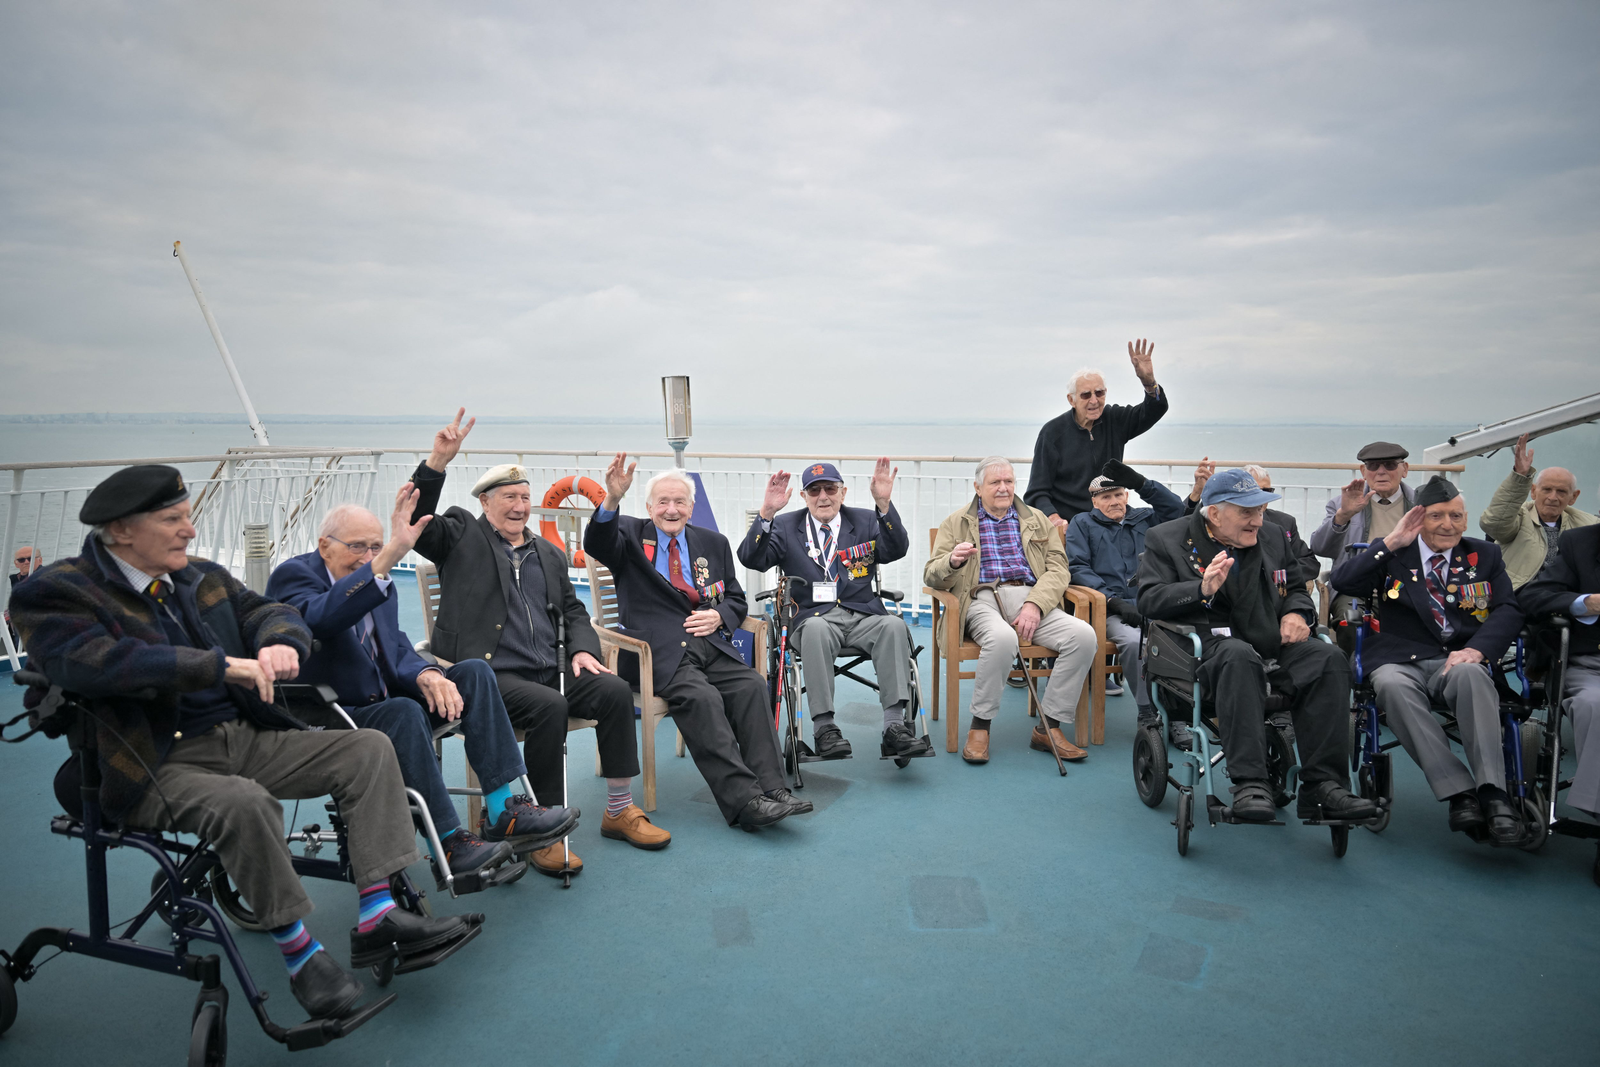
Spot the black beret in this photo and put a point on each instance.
(133, 491)
(1438, 490)
(1382, 450)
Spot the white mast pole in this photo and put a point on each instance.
(256, 428)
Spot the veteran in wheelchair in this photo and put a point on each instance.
(207, 752)
(1240, 599)
(835, 551)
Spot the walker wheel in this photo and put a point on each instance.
(8, 995)
(208, 1041)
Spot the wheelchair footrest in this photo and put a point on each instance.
(1217, 812)
(423, 960)
(314, 1033)
(477, 881)
(1575, 828)
(1383, 809)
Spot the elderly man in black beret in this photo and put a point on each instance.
(134, 612)
(1444, 611)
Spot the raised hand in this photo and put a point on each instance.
(1352, 498)
(403, 533)
(619, 477)
(883, 482)
(1216, 573)
(1141, 354)
(1406, 531)
(962, 552)
(1522, 457)
(1202, 474)
(447, 442)
(776, 496)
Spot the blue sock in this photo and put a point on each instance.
(296, 944)
(496, 801)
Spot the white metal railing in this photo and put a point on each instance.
(291, 490)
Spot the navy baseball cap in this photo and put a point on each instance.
(820, 472)
(1235, 486)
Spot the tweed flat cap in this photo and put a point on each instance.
(1382, 450)
(1101, 484)
(133, 491)
(505, 474)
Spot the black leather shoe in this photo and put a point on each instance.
(1252, 801)
(796, 805)
(900, 742)
(830, 742)
(467, 852)
(1465, 812)
(408, 932)
(762, 811)
(1330, 800)
(1181, 735)
(1504, 826)
(325, 989)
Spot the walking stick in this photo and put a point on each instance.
(561, 668)
(1044, 720)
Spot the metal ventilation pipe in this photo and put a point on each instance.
(680, 426)
(257, 555)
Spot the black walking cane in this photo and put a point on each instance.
(561, 668)
(1044, 720)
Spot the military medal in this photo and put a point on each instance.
(1281, 580)
(858, 559)
(650, 549)
(713, 593)
(1472, 565)
(702, 572)
(1394, 590)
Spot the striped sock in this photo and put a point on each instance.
(296, 944)
(618, 797)
(376, 902)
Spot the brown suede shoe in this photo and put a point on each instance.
(976, 749)
(547, 860)
(1067, 749)
(633, 826)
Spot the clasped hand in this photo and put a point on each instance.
(273, 663)
(703, 623)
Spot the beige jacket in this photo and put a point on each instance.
(1512, 522)
(1041, 544)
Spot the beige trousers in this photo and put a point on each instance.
(989, 618)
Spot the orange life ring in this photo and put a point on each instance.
(556, 495)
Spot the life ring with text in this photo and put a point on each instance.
(556, 495)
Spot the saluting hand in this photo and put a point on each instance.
(1352, 498)
(619, 476)
(1406, 530)
(883, 482)
(447, 442)
(1216, 573)
(777, 495)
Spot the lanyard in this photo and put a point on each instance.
(814, 551)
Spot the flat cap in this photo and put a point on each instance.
(133, 491)
(821, 472)
(1101, 484)
(505, 474)
(1382, 450)
(1437, 490)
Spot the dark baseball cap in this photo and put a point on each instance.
(1382, 450)
(820, 472)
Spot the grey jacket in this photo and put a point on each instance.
(1329, 541)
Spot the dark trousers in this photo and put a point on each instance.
(485, 731)
(722, 709)
(1313, 674)
(537, 707)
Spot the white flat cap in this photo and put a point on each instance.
(505, 474)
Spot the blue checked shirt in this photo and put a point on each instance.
(1000, 557)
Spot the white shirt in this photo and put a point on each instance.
(138, 578)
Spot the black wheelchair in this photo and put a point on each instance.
(1171, 664)
(189, 893)
(1546, 666)
(786, 689)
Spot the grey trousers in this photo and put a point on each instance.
(225, 785)
(1404, 690)
(989, 624)
(1126, 638)
(883, 637)
(1583, 704)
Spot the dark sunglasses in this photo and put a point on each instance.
(1098, 394)
(1383, 464)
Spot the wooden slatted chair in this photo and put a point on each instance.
(951, 643)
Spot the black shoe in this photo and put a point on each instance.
(1181, 735)
(467, 852)
(762, 811)
(1252, 801)
(403, 930)
(796, 805)
(900, 742)
(1504, 826)
(522, 821)
(1330, 800)
(1148, 718)
(1465, 812)
(325, 989)
(830, 742)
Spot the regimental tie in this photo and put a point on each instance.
(675, 574)
(369, 644)
(1433, 575)
(827, 551)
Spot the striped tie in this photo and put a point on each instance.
(1433, 574)
(827, 552)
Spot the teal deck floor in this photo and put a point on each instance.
(940, 914)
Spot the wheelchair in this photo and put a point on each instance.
(1546, 666)
(189, 893)
(1171, 664)
(785, 688)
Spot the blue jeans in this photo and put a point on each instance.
(491, 745)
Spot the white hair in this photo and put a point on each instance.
(103, 533)
(991, 461)
(1257, 471)
(1085, 372)
(673, 475)
(1538, 479)
(341, 514)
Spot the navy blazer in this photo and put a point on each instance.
(649, 606)
(1405, 630)
(1575, 569)
(784, 547)
(334, 610)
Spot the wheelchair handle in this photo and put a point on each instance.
(30, 678)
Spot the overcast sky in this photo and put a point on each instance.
(918, 208)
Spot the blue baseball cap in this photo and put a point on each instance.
(1235, 487)
(820, 472)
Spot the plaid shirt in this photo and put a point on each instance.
(1000, 557)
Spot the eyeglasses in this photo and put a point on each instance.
(822, 488)
(1382, 464)
(360, 548)
(1098, 394)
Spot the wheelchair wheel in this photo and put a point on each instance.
(191, 917)
(1341, 840)
(1535, 831)
(208, 1041)
(383, 973)
(1371, 785)
(1280, 757)
(8, 997)
(1150, 766)
(1184, 821)
(227, 897)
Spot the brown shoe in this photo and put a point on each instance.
(633, 826)
(547, 860)
(1066, 749)
(976, 749)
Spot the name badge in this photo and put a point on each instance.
(1222, 631)
(821, 591)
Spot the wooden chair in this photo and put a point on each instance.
(430, 589)
(950, 642)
